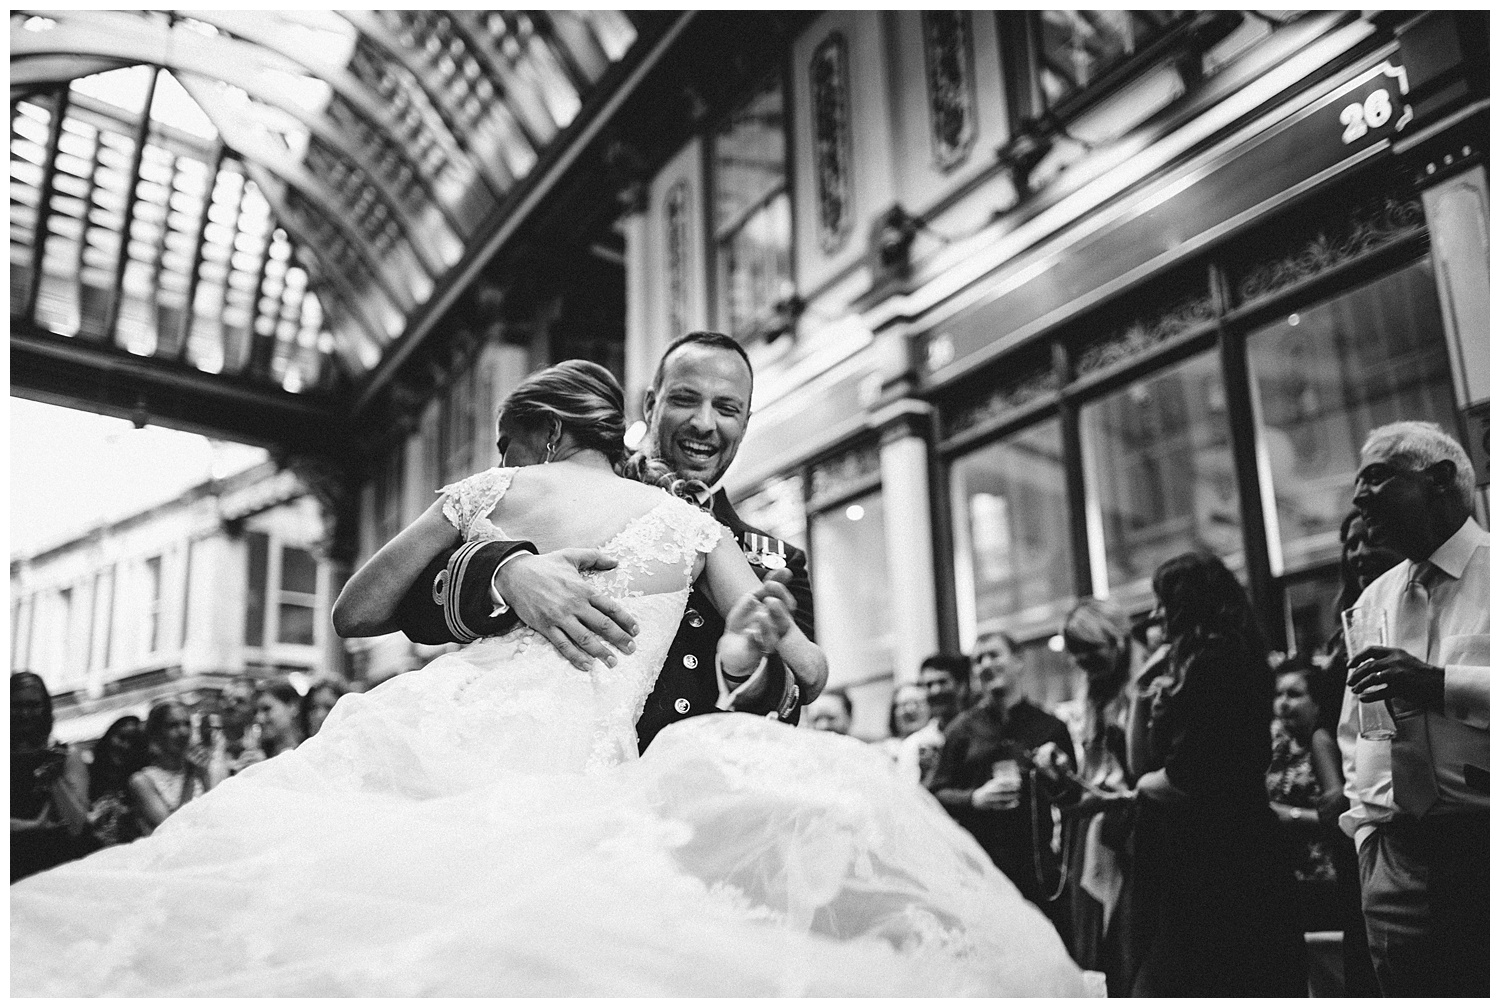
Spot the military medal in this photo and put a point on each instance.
(772, 561)
(763, 551)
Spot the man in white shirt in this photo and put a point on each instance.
(1419, 802)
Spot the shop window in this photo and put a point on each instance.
(456, 426)
(1323, 378)
(1013, 562)
(1056, 55)
(257, 556)
(1160, 476)
(752, 214)
(297, 603)
(852, 603)
(389, 487)
(1310, 611)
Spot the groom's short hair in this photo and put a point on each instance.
(717, 340)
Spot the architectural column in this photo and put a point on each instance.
(335, 485)
(908, 533)
(641, 351)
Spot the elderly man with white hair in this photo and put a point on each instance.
(1419, 801)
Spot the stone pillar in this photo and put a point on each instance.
(641, 351)
(908, 533)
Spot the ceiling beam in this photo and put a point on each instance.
(69, 372)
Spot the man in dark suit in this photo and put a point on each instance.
(697, 409)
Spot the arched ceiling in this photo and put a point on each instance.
(263, 200)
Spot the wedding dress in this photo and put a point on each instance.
(483, 826)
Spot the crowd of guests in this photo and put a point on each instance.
(1215, 800)
(68, 801)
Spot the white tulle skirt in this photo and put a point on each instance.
(738, 857)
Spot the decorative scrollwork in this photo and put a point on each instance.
(676, 219)
(1144, 333)
(948, 44)
(1366, 228)
(835, 476)
(832, 145)
(999, 401)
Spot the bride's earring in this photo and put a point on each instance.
(551, 451)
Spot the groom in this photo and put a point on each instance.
(697, 409)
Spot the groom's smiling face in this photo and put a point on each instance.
(699, 412)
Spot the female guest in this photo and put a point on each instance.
(178, 769)
(1096, 819)
(320, 698)
(1220, 920)
(48, 785)
(1304, 779)
(909, 713)
(278, 711)
(117, 755)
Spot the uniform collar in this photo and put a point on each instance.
(1454, 555)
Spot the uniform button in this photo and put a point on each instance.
(691, 661)
(682, 706)
(694, 619)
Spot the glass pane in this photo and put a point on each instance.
(851, 599)
(1079, 46)
(1311, 612)
(755, 265)
(1160, 476)
(296, 624)
(1323, 378)
(299, 571)
(1012, 559)
(749, 157)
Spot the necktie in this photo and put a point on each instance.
(1413, 784)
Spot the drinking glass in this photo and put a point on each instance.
(1364, 626)
(1008, 771)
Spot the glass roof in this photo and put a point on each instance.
(271, 195)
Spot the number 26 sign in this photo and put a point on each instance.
(1370, 106)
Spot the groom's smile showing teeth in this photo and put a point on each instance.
(698, 451)
(699, 410)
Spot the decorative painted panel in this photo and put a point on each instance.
(948, 45)
(843, 473)
(1005, 398)
(832, 143)
(1146, 331)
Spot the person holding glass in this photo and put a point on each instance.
(1419, 797)
(1212, 885)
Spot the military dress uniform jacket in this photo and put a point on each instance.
(687, 685)
(449, 603)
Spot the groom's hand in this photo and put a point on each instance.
(549, 594)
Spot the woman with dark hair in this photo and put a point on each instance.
(278, 714)
(48, 785)
(118, 754)
(1305, 783)
(487, 824)
(177, 771)
(1213, 884)
(317, 703)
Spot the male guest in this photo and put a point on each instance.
(941, 678)
(831, 712)
(983, 774)
(1419, 802)
(697, 409)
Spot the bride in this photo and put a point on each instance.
(483, 826)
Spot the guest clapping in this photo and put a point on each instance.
(278, 711)
(118, 755)
(179, 769)
(48, 785)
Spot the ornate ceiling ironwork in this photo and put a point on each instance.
(268, 198)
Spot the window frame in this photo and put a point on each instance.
(775, 322)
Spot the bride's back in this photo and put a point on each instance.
(565, 505)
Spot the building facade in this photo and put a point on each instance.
(226, 579)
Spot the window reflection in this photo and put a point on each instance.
(1160, 476)
(1079, 46)
(778, 510)
(1323, 378)
(849, 591)
(1013, 560)
(752, 212)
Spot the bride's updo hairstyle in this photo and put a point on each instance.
(584, 397)
(589, 403)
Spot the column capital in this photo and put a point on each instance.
(901, 418)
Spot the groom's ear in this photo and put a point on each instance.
(648, 403)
